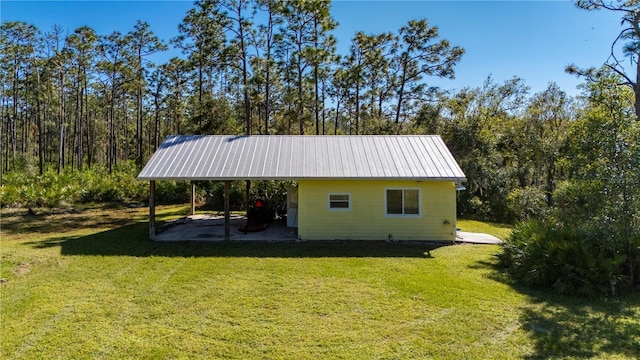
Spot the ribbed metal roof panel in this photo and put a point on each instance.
(226, 157)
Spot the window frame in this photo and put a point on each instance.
(348, 201)
(403, 215)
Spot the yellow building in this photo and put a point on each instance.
(376, 210)
(349, 187)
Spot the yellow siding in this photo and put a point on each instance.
(366, 220)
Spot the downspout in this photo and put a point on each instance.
(459, 187)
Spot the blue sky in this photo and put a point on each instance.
(534, 40)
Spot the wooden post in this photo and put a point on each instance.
(152, 210)
(247, 203)
(227, 216)
(193, 198)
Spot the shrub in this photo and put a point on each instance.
(527, 203)
(275, 192)
(577, 202)
(475, 208)
(539, 254)
(215, 195)
(172, 192)
(73, 186)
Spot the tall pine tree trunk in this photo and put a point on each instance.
(323, 109)
(335, 127)
(81, 127)
(139, 110)
(299, 110)
(61, 123)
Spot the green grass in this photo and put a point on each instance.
(500, 231)
(88, 284)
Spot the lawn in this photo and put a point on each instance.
(88, 284)
(500, 231)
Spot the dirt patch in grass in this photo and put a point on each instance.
(22, 269)
(12, 267)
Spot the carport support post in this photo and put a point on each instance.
(227, 217)
(193, 198)
(152, 210)
(248, 202)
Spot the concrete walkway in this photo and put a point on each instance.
(476, 238)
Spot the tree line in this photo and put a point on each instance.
(74, 98)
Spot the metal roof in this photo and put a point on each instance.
(283, 157)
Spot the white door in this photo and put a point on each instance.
(292, 207)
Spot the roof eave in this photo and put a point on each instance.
(298, 178)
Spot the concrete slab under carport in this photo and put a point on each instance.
(211, 228)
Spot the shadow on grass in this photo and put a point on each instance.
(583, 328)
(131, 240)
(61, 221)
(576, 327)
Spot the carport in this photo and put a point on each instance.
(215, 158)
(385, 187)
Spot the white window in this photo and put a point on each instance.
(402, 202)
(339, 201)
